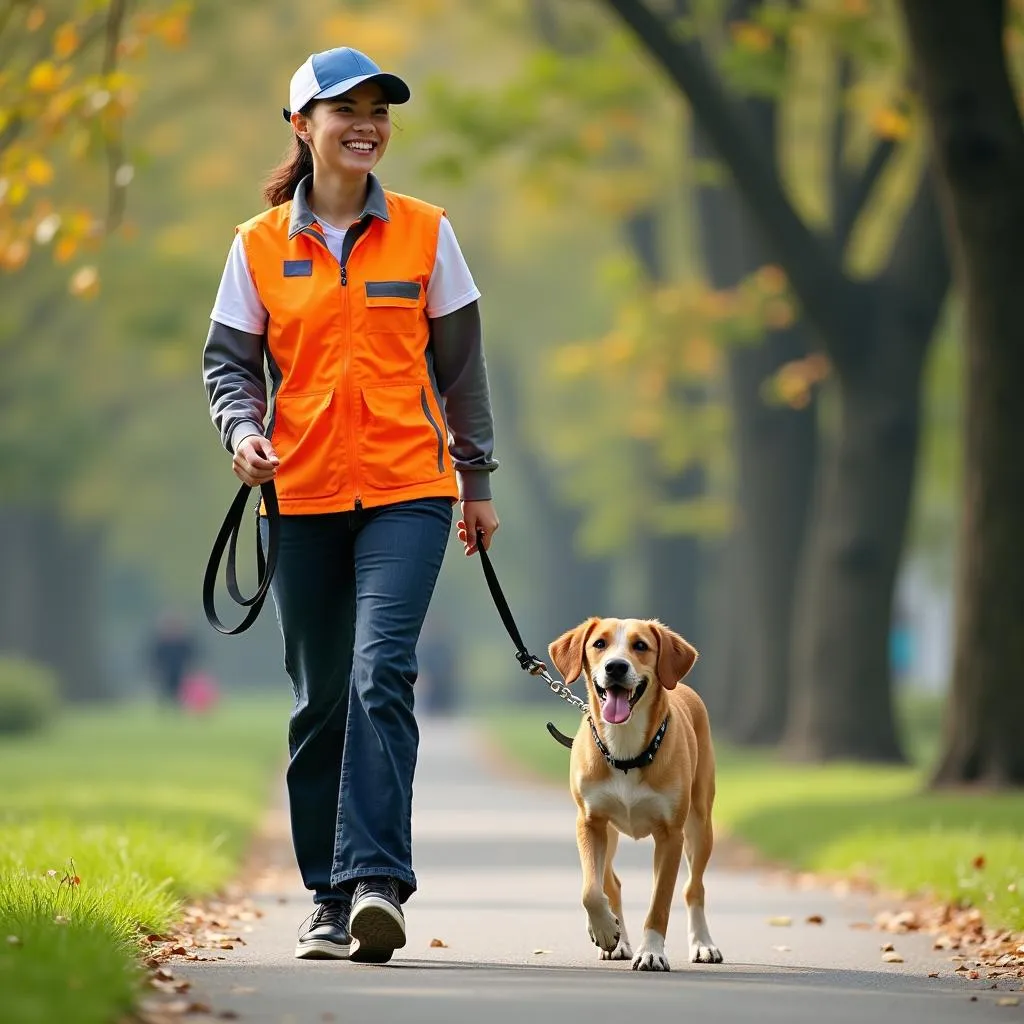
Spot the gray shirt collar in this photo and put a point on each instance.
(302, 216)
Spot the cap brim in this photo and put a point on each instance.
(395, 90)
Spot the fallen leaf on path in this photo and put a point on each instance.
(888, 947)
(892, 957)
(961, 968)
(438, 944)
(815, 919)
(933, 974)
(1008, 1001)
(780, 922)
(538, 951)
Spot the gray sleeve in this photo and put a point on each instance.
(461, 375)
(235, 384)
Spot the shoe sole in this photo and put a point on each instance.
(322, 949)
(377, 930)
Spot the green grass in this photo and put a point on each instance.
(146, 807)
(845, 818)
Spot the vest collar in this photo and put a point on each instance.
(302, 216)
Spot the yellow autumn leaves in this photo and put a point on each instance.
(64, 102)
(680, 334)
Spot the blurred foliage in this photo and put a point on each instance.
(28, 695)
(544, 157)
(64, 96)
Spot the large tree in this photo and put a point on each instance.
(875, 333)
(978, 145)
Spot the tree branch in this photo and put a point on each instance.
(851, 203)
(919, 271)
(837, 167)
(812, 266)
(116, 192)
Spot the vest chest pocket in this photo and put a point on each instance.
(392, 307)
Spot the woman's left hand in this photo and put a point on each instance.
(477, 515)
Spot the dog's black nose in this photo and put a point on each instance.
(616, 668)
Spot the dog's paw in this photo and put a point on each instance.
(702, 954)
(650, 960)
(604, 930)
(622, 951)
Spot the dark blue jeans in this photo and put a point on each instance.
(352, 590)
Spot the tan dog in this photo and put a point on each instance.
(632, 668)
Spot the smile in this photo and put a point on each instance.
(360, 146)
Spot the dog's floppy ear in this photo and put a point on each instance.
(675, 656)
(567, 651)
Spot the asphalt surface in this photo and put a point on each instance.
(499, 883)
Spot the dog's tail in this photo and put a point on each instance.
(560, 737)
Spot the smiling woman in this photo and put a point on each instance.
(358, 304)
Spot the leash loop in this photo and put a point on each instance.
(266, 563)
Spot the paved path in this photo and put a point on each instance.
(499, 884)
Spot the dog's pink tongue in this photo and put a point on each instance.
(616, 706)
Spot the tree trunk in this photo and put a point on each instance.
(842, 702)
(978, 142)
(49, 597)
(776, 456)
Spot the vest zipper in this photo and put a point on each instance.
(352, 237)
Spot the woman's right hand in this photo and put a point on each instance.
(255, 460)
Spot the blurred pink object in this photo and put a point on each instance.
(199, 692)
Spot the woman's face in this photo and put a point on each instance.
(349, 133)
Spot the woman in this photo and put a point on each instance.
(362, 306)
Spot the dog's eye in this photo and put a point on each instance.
(640, 645)
(599, 644)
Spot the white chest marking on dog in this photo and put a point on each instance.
(632, 806)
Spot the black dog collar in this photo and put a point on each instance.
(642, 760)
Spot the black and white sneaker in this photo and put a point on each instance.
(377, 923)
(324, 935)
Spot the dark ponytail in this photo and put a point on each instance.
(284, 178)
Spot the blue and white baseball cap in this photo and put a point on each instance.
(333, 72)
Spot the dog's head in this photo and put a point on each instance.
(620, 658)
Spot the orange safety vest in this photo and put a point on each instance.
(357, 419)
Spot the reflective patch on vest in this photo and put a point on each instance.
(392, 289)
(298, 268)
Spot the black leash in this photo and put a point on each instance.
(227, 538)
(527, 661)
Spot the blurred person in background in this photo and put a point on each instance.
(172, 654)
(361, 304)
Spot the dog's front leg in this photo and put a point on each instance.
(668, 852)
(592, 843)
